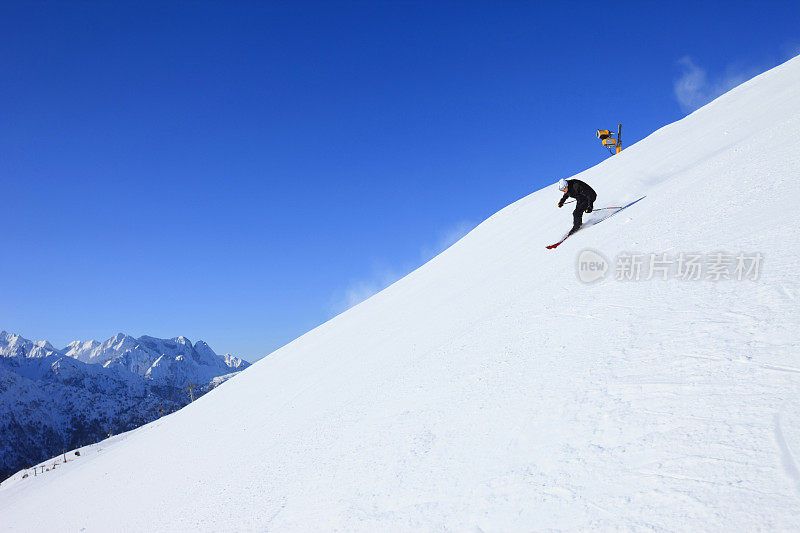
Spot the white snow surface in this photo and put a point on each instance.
(492, 390)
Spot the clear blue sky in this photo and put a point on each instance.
(239, 172)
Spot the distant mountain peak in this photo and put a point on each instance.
(53, 399)
(177, 358)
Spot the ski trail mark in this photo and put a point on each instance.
(787, 460)
(779, 368)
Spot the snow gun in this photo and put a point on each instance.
(607, 137)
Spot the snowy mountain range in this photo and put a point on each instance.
(56, 399)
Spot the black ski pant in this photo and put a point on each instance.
(577, 215)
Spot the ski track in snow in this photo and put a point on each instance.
(787, 455)
(490, 390)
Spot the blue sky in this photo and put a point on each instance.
(242, 172)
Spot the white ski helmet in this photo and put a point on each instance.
(562, 184)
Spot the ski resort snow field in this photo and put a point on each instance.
(492, 390)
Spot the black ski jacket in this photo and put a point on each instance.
(584, 194)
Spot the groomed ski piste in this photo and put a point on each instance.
(492, 390)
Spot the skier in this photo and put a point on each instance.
(584, 195)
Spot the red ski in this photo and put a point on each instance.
(556, 244)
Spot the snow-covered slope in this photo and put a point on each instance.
(492, 390)
(53, 400)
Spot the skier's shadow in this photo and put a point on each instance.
(598, 216)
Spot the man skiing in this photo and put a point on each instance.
(583, 194)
